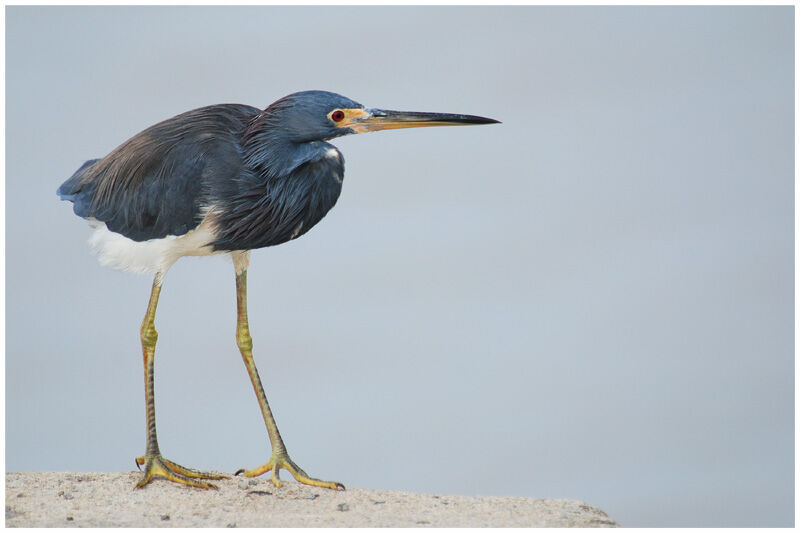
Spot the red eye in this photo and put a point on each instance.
(337, 115)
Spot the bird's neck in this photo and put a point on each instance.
(286, 188)
(270, 153)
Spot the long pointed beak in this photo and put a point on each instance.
(384, 119)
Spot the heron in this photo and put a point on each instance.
(223, 179)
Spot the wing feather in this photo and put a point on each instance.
(155, 183)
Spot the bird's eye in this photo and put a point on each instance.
(337, 115)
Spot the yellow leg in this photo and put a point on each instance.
(280, 457)
(154, 464)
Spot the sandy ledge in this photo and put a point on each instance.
(73, 499)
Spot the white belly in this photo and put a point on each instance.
(156, 255)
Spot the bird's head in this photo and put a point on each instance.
(321, 115)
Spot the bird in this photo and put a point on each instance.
(223, 179)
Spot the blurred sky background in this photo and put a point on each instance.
(593, 300)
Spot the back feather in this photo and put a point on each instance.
(154, 184)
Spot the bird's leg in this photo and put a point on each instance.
(154, 464)
(280, 457)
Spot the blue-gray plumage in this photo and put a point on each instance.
(223, 178)
(269, 175)
(227, 156)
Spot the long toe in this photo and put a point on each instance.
(156, 466)
(191, 472)
(276, 463)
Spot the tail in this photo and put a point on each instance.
(80, 194)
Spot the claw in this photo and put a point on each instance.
(276, 477)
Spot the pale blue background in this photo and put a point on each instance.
(593, 300)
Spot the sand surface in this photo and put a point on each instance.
(72, 499)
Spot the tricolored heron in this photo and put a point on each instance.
(223, 179)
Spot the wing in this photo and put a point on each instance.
(154, 184)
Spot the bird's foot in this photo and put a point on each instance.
(282, 460)
(156, 466)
